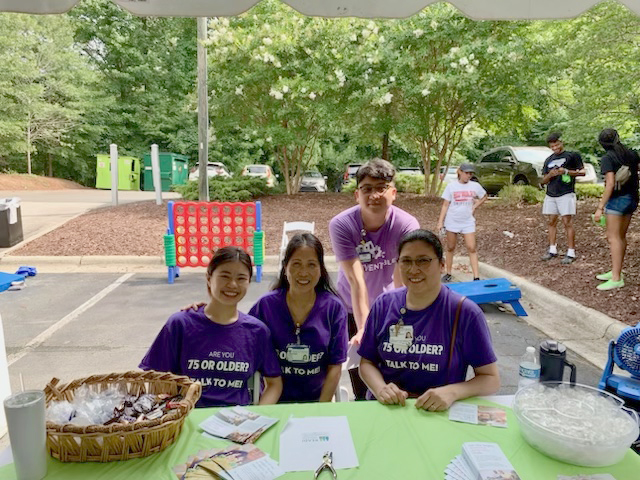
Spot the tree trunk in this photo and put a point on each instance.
(29, 148)
(385, 146)
(50, 162)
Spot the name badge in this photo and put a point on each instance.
(365, 257)
(401, 335)
(298, 353)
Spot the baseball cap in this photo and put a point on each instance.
(467, 167)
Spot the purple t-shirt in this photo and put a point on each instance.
(423, 365)
(323, 339)
(222, 357)
(377, 254)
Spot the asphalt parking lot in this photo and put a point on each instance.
(70, 325)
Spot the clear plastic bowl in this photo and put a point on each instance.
(575, 424)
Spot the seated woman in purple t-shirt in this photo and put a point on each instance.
(308, 323)
(215, 343)
(406, 348)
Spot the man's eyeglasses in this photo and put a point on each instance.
(379, 189)
(420, 262)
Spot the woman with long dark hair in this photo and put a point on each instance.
(308, 323)
(619, 165)
(215, 343)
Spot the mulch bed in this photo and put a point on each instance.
(137, 229)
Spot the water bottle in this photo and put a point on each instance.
(529, 368)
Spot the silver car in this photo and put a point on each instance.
(313, 182)
(504, 166)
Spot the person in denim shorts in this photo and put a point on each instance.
(618, 202)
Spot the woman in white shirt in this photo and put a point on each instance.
(461, 199)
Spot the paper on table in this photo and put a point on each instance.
(596, 476)
(478, 414)
(304, 441)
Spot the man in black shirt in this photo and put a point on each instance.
(560, 171)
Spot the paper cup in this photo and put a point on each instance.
(27, 433)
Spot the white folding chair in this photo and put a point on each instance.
(289, 227)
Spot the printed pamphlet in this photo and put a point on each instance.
(237, 424)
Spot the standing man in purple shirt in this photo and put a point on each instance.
(365, 241)
(420, 339)
(308, 323)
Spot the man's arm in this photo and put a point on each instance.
(354, 273)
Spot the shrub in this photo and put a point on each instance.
(588, 190)
(241, 189)
(410, 183)
(521, 194)
(349, 187)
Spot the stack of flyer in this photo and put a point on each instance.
(238, 462)
(237, 424)
(480, 461)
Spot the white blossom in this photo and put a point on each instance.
(239, 90)
(371, 25)
(463, 61)
(341, 77)
(382, 39)
(454, 50)
(470, 69)
(383, 81)
(354, 37)
(472, 56)
(225, 22)
(277, 64)
(276, 94)
(303, 90)
(513, 56)
(392, 79)
(425, 92)
(366, 33)
(267, 41)
(476, 62)
(268, 139)
(453, 65)
(418, 32)
(543, 91)
(285, 89)
(433, 24)
(491, 50)
(387, 97)
(312, 96)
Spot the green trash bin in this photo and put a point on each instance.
(174, 170)
(128, 172)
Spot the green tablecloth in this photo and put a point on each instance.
(400, 443)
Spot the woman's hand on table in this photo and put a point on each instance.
(437, 399)
(193, 306)
(391, 394)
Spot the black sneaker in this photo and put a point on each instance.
(446, 278)
(548, 256)
(476, 279)
(567, 260)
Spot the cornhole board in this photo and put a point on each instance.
(491, 290)
(7, 278)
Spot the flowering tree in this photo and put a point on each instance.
(276, 75)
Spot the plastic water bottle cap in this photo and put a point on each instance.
(531, 349)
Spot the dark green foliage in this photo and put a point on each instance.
(241, 189)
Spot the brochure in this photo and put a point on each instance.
(304, 441)
(237, 462)
(478, 414)
(237, 424)
(480, 461)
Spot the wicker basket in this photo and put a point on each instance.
(109, 443)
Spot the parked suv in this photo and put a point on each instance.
(263, 171)
(214, 169)
(504, 166)
(350, 172)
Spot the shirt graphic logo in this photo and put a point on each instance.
(375, 250)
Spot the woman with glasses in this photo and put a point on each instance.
(420, 339)
(308, 323)
(461, 199)
(365, 240)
